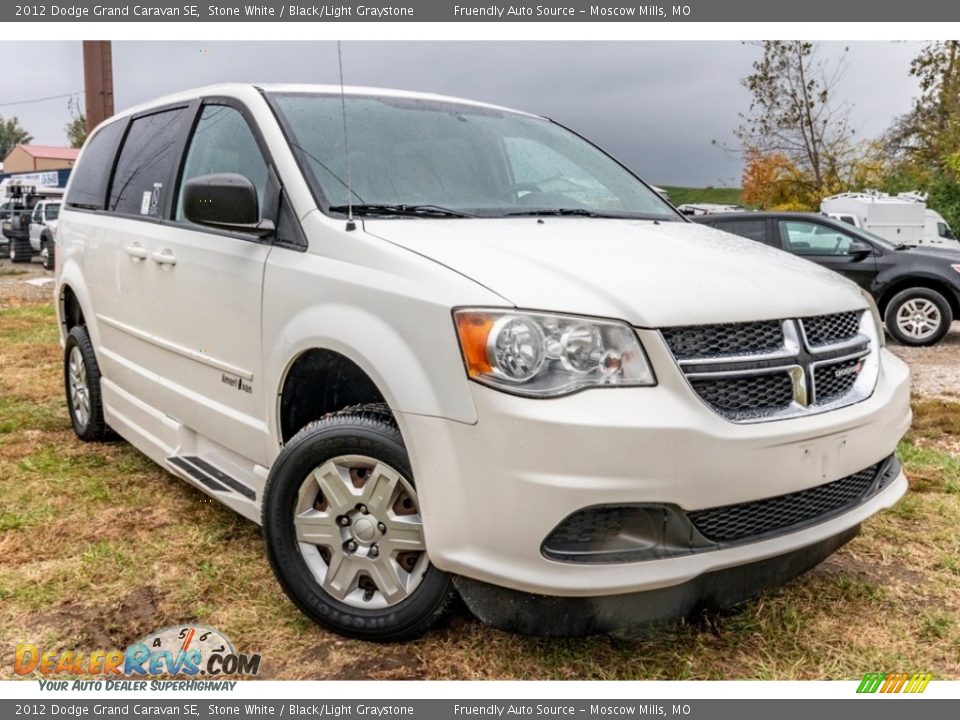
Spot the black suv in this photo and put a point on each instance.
(916, 288)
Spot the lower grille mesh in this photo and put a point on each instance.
(748, 520)
(746, 396)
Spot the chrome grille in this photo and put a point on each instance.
(709, 341)
(749, 520)
(823, 330)
(748, 372)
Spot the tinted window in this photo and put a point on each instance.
(146, 160)
(88, 181)
(53, 211)
(806, 238)
(751, 229)
(943, 230)
(224, 143)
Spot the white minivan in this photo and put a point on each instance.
(438, 347)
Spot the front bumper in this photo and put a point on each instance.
(491, 492)
(551, 616)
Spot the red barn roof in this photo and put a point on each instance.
(51, 152)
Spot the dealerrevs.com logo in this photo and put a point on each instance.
(182, 650)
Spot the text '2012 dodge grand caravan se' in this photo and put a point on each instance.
(480, 357)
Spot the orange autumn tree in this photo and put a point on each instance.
(772, 182)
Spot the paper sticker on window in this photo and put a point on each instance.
(155, 199)
(145, 202)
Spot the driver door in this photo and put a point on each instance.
(828, 246)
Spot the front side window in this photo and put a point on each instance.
(472, 159)
(223, 143)
(806, 238)
(944, 231)
(146, 161)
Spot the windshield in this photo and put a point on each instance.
(446, 156)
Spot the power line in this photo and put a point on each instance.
(43, 99)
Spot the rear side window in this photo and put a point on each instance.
(141, 180)
(750, 229)
(88, 181)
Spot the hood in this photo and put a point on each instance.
(948, 253)
(648, 274)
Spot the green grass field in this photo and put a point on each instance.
(721, 196)
(99, 546)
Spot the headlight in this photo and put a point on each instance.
(877, 320)
(546, 355)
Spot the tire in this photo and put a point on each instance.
(47, 251)
(362, 598)
(918, 316)
(4, 249)
(20, 251)
(82, 374)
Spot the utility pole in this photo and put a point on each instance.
(97, 81)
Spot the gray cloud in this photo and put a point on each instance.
(655, 105)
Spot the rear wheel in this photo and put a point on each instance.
(20, 251)
(46, 251)
(344, 532)
(918, 316)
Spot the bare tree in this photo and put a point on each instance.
(793, 112)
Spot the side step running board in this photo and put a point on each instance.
(209, 476)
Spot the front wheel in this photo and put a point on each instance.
(918, 316)
(344, 533)
(81, 378)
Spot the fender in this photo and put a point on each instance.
(394, 364)
(72, 277)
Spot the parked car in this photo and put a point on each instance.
(43, 226)
(5, 212)
(489, 360)
(917, 289)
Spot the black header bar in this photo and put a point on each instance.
(476, 11)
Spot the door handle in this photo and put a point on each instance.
(164, 257)
(136, 252)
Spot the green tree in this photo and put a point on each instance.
(12, 133)
(924, 144)
(793, 114)
(76, 129)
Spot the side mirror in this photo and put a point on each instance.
(858, 248)
(226, 201)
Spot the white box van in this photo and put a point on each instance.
(473, 355)
(902, 219)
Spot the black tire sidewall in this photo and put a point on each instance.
(890, 317)
(47, 242)
(319, 442)
(95, 427)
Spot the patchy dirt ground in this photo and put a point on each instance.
(24, 284)
(936, 370)
(99, 546)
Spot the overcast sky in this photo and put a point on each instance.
(655, 106)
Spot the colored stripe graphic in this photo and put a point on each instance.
(894, 683)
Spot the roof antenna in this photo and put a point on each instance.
(351, 225)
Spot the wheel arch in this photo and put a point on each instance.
(413, 370)
(920, 281)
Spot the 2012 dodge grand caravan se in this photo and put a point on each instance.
(436, 346)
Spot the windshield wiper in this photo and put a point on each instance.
(373, 209)
(574, 212)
